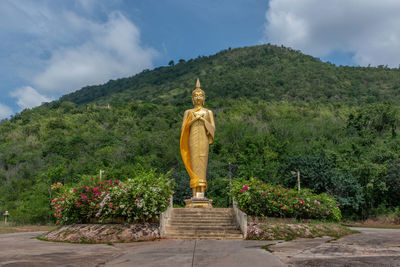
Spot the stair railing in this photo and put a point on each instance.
(165, 216)
(241, 219)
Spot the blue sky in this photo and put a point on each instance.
(52, 47)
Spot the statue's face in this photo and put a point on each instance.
(198, 98)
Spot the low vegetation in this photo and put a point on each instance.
(256, 198)
(139, 199)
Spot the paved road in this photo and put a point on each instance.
(373, 247)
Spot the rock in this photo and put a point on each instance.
(104, 233)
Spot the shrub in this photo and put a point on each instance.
(258, 199)
(142, 198)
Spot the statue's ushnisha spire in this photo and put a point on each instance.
(198, 83)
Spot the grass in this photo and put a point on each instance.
(381, 226)
(387, 220)
(7, 229)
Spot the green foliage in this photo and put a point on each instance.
(319, 174)
(258, 199)
(276, 110)
(139, 199)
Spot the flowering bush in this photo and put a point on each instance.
(142, 198)
(257, 199)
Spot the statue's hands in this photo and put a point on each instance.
(197, 116)
(194, 118)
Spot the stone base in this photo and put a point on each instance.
(198, 203)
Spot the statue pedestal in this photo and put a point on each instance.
(198, 203)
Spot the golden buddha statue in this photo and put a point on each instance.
(197, 133)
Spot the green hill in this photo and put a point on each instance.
(263, 72)
(276, 111)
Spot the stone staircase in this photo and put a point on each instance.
(202, 223)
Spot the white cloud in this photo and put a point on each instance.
(60, 47)
(5, 111)
(369, 29)
(27, 97)
(113, 50)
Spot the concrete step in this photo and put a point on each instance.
(200, 218)
(202, 211)
(201, 215)
(212, 228)
(197, 224)
(211, 237)
(205, 232)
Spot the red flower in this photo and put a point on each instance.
(75, 189)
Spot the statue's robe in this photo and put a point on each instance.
(195, 140)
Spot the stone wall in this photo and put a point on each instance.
(104, 233)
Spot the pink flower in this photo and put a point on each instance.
(75, 189)
(327, 212)
(264, 192)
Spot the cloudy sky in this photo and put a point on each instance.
(52, 47)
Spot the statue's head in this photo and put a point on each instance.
(198, 95)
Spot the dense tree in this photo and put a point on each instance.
(276, 111)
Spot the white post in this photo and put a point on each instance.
(298, 180)
(5, 217)
(101, 175)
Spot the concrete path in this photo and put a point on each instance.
(189, 253)
(372, 247)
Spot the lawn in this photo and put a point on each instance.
(6, 229)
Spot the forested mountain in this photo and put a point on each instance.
(277, 111)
